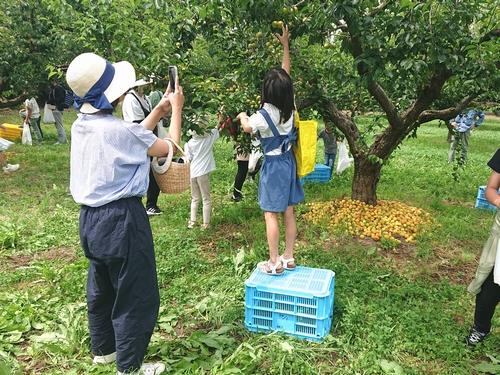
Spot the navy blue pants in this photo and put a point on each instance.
(122, 289)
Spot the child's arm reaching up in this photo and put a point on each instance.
(284, 40)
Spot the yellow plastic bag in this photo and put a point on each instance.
(305, 150)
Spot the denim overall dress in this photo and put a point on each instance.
(279, 186)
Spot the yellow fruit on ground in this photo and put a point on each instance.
(392, 220)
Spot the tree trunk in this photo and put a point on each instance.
(366, 177)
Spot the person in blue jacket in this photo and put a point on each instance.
(462, 127)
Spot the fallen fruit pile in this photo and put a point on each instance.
(389, 220)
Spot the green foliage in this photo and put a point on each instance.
(492, 367)
(385, 318)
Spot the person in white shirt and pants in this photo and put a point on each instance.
(32, 117)
(199, 150)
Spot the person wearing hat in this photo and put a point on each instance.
(109, 171)
(136, 107)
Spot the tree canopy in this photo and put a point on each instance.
(409, 60)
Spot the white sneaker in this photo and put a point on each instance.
(147, 369)
(10, 168)
(104, 359)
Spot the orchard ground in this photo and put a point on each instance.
(402, 310)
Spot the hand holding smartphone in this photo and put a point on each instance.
(172, 76)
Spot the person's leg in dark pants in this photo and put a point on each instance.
(117, 240)
(35, 129)
(152, 194)
(486, 302)
(241, 174)
(39, 126)
(330, 161)
(100, 300)
(153, 190)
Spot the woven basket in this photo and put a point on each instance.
(177, 177)
(3, 159)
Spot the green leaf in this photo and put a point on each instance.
(488, 368)
(391, 367)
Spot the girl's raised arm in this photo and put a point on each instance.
(284, 40)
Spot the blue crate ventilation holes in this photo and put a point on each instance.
(482, 202)
(299, 303)
(321, 173)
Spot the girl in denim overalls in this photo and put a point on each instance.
(279, 187)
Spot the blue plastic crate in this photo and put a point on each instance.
(299, 303)
(321, 173)
(482, 202)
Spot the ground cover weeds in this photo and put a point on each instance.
(401, 308)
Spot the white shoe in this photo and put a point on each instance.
(147, 369)
(104, 359)
(10, 168)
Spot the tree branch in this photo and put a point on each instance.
(305, 103)
(445, 114)
(380, 7)
(428, 94)
(8, 103)
(385, 103)
(374, 88)
(493, 34)
(331, 113)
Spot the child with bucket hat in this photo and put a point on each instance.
(109, 172)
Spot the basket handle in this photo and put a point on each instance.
(161, 169)
(170, 141)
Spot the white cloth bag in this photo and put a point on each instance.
(344, 160)
(255, 155)
(26, 138)
(48, 116)
(253, 159)
(5, 144)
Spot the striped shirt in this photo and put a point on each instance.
(109, 159)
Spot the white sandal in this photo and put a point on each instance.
(271, 269)
(285, 262)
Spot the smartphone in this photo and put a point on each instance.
(172, 75)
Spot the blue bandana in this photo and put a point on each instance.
(95, 96)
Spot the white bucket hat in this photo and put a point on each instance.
(97, 83)
(142, 82)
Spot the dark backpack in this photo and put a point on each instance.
(68, 98)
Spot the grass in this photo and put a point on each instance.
(402, 310)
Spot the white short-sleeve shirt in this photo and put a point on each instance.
(33, 105)
(132, 110)
(200, 152)
(258, 123)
